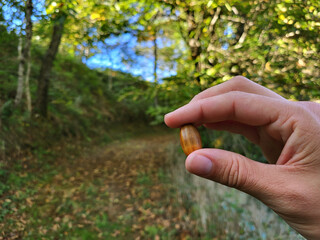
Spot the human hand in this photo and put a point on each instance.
(287, 132)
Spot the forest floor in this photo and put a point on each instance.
(121, 190)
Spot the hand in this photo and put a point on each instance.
(287, 132)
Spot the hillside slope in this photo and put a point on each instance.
(82, 101)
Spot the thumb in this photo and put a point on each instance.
(234, 170)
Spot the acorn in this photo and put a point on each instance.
(190, 139)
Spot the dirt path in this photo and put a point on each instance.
(133, 173)
(140, 201)
(120, 191)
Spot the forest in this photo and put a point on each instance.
(84, 87)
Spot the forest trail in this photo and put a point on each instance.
(131, 176)
(119, 191)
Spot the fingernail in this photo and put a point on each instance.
(198, 164)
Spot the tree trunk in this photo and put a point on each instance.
(195, 47)
(194, 42)
(155, 53)
(21, 59)
(155, 66)
(110, 79)
(41, 106)
(29, 9)
(27, 87)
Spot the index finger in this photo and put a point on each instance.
(247, 108)
(238, 83)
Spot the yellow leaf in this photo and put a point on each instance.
(211, 71)
(95, 16)
(228, 7)
(268, 67)
(282, 17)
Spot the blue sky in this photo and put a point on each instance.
(118, 53)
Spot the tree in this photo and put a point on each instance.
(265, 40)
(25, 58)
(272, 42)
(21, 59)
(88, 23)
(41, 106)
(29, 9)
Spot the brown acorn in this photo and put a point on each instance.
(190, 139)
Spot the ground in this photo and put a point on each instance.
(120, 190)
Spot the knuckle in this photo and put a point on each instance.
(235, 175)
(238, 81)
(196, 97)
(312, 107)
(299, 111)
(202, 111)
(236, 95)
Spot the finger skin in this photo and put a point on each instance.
(237, 106)
(238, 83)
(234, 170)
(246, 109)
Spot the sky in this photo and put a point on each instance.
(118, 53)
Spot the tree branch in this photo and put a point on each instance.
(214, 19)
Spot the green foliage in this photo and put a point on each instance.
(231, 142)
(144, 179)
(4, 187)
(204, 42)
(8, 64)
(108, 227)
(208, 42)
